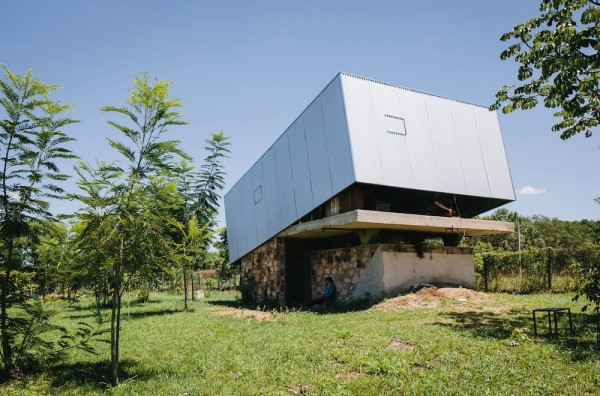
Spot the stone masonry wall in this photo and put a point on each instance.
(344, 265)
(264, 268)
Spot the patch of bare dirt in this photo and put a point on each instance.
(245, 313)
(397, 344)
(432, 297)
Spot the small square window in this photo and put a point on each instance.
(395, 125)
(258, 195)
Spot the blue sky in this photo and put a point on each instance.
(251, 67)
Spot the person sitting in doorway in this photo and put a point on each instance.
(326, 296)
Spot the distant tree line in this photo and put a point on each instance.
(539, 245)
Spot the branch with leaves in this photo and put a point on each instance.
(558, 54)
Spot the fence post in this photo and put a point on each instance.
(485, 273)
(550, 259)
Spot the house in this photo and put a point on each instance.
(357, 185)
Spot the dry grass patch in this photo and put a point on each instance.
(245, 313)
(396, 344)
(349, 375)
(432, 297)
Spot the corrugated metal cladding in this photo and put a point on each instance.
(306, 166)
(358, 130)
(449, 146)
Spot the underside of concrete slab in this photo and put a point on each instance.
(364, 220)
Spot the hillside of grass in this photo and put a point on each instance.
(449, 342)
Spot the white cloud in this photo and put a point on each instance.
(530, 190)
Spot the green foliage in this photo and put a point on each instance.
(546, 244)
(528, 271)
(129, 209)
(588, 269)
(39, 341)
(211, 178)
(557, 53)
(31, 142)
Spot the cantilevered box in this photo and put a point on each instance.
(367, 145)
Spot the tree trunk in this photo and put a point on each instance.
(185, 290)
(193, 288)
(6, 346)
(115, 318)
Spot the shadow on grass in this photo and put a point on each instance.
(95, 375)
(580, 345)
(146, 314)
(231, 304)
(322, 309)
(125, 314)
(485, 324)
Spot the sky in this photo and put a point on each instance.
(251, 67)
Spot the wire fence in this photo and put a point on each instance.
(545, 269)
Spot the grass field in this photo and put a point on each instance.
(424, 344)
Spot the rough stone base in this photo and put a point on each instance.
(367, 271)
(382, 270)
(263, 272)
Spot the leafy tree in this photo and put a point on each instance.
(135, 200)
(190, 246)
(226, 269)
(200, 195)
(31, 141)
(559, 63)
(211, 178)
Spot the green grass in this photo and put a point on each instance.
(458, 348)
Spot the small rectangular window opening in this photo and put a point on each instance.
(258, 195)
(395, 125)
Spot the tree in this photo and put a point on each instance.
(200, 195)
(31, 141)
(211, 178)
(559, 63)
(135, 200)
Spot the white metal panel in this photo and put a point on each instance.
(300, 168)
(317, 150)
(470, 150)
(451, 177)
(336, 135)
(422, 156)
(271, 193)
(285, 181)
(362, 132)
(236, 226)
(393, 147)
(492, 147)
(342, 137)
(259, 200)
(249, 216)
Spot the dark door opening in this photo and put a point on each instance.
(297, 271)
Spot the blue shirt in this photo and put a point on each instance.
(329, 290)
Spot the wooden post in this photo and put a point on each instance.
(485, 273)
(550, 258)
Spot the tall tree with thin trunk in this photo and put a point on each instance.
(200, 197)
(31, 141)
(139, 188)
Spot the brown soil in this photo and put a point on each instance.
(432, 297)
(396, 344)
(245, 313)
